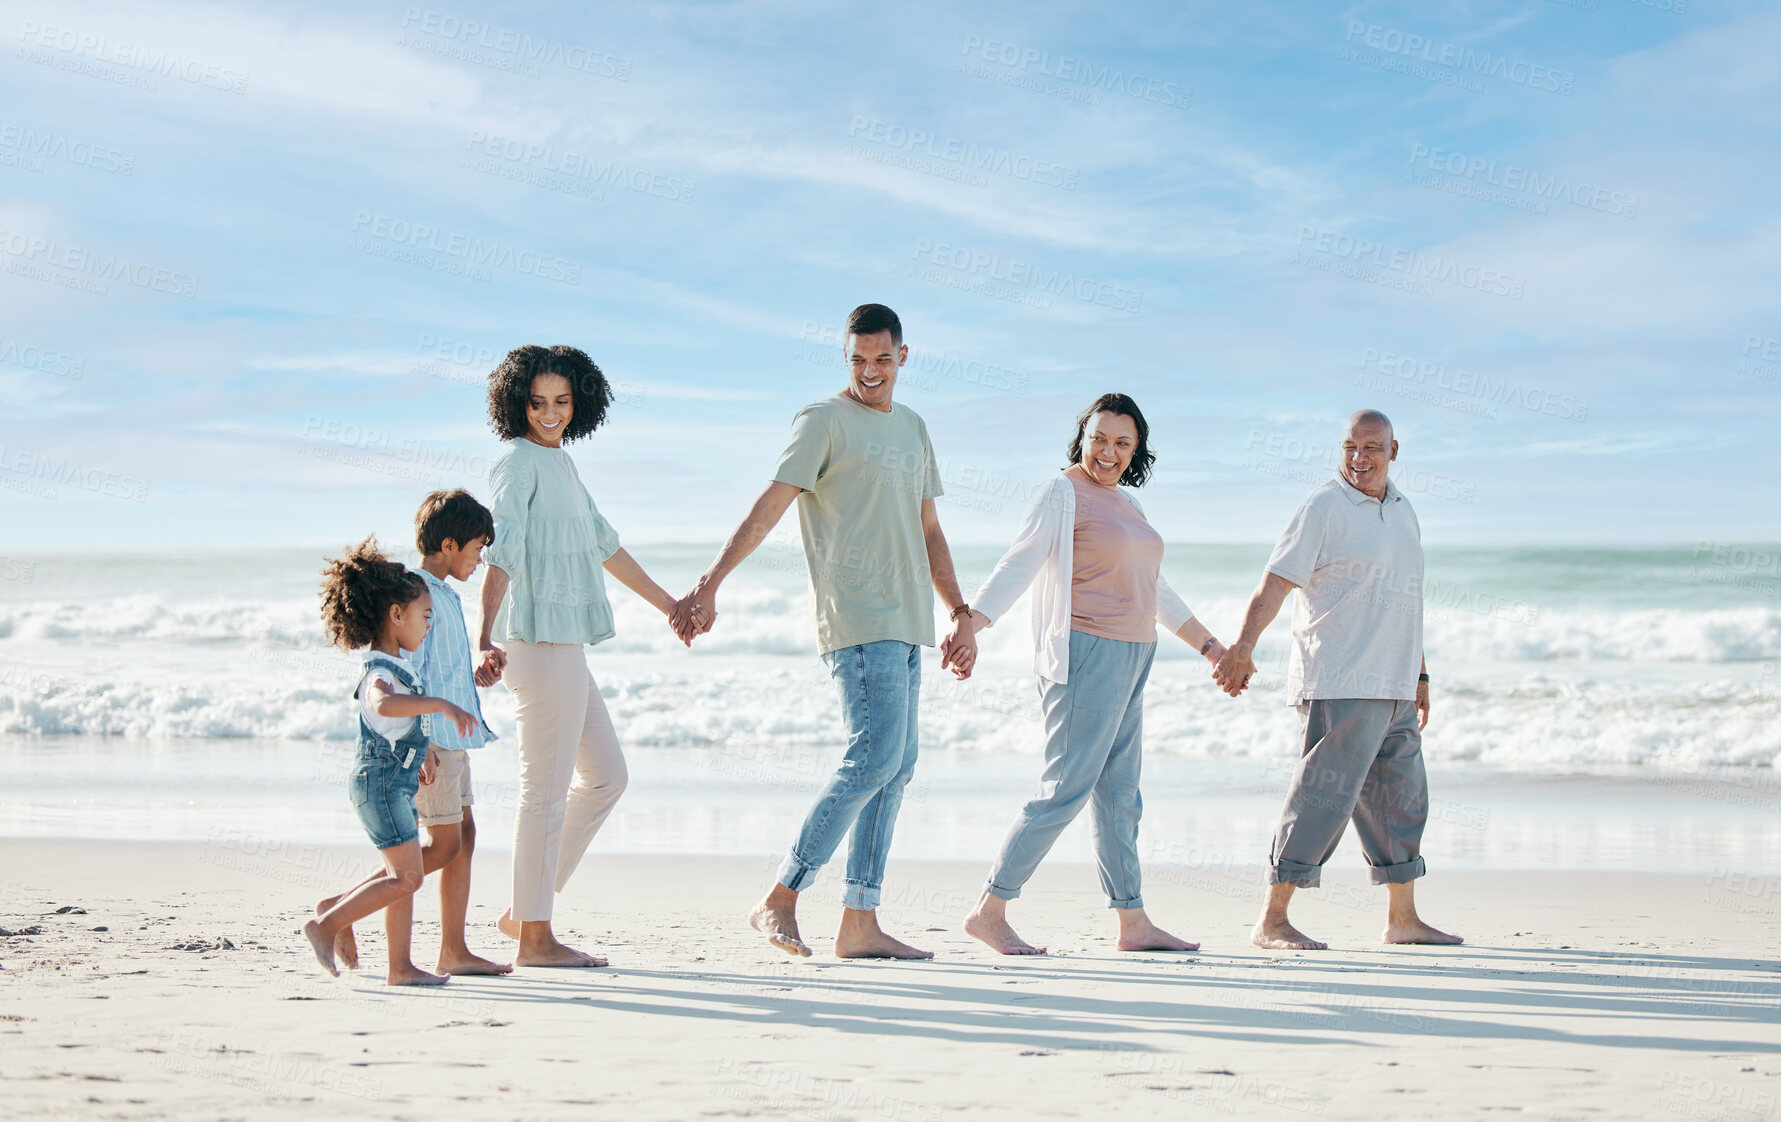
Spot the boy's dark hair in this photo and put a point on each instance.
(1136, 472)
(510, 387)
(358, 588)
(870, 319)
(453, 514)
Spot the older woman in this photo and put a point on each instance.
(1101, 593)
(545, 596)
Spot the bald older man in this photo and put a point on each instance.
(1353, 552)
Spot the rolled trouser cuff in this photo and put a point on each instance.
(795, 874)
(1402, 873)
(1293, 873)
(1127, 905)
(859, 897)
(999, 892)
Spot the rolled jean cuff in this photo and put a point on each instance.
(999, 892)
(1127, 905)
(1291, 872)
(1401, 873)
(859, 896)
(795, 874)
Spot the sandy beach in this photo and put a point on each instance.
(167, 980)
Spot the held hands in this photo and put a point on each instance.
(494, 661)
(430, 766)
(1233, 670)
(695, 613)
(958, 651)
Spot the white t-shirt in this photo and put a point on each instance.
(395, 728)
(1357, 614)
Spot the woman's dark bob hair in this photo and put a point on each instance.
(510, 387)
(1136, 472)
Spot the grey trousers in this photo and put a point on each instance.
(1361, 759)
(1094, 731)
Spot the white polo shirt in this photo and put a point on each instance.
(1357, 614)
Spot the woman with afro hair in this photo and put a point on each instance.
(544, 600)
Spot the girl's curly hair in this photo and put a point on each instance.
(510, 387)
(358, 589)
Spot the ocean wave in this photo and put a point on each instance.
(778, 622)
(786, 704)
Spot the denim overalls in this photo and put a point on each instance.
(387, 773)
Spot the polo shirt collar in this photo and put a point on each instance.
(1358, 496)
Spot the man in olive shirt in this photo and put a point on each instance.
(865, 479)
(1353, 554)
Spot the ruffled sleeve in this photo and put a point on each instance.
(514, 480)
(605, 537)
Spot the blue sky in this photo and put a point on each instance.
(257, 260)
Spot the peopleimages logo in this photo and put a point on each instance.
(1452, 55)
(1411, 264)
(573, 166)
(1079, 72)
(48, 145)
(1019, 274)
(129, 56)
(34, 256)
(473, 251)
(517, 44)
(965, 153)
(1513, 177)
(1430, 375)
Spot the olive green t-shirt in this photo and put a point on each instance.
(864, 475)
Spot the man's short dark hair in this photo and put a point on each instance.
(870, 319)
(453, 514)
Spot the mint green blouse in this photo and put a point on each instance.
(550, 540)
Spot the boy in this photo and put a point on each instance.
(450, 530)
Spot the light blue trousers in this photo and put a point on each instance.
(1094, 728)
(880, 686)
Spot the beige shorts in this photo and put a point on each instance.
(442, 802)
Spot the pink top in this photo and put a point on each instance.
(1115, 559)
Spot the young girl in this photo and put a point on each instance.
(371, 601)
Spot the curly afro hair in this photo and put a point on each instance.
(358, 589)
(510, 387)
(1138, 471)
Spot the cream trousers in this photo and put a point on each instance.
(571, 771)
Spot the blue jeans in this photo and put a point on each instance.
(1094, 728)
(880, 687)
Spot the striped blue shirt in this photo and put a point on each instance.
(447, 671)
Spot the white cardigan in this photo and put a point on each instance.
(1042, 549)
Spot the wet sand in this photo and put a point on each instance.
(175, 985)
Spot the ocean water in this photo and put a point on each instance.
(1665, 660)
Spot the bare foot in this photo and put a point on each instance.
(346, 947)
(414, 976)
(1279, 935)
(553, 953)
(996, 933)
(468, 963)
(322, 946)
(1419, 932)
(508, 925)
(875, 945)
(1142, 935)
(780, 926)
